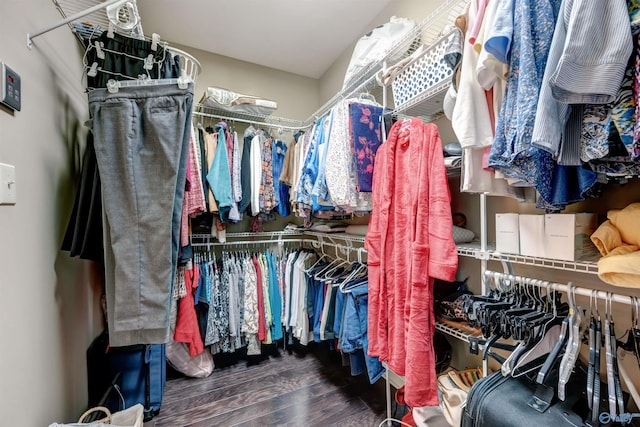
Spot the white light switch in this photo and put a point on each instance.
(7, 184)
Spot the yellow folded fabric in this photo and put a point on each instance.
(618, 240)
(606, 238)
(621, 270)
(626, 221)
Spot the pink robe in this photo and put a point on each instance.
(409, 243)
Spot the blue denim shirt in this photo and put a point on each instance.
(219, 178)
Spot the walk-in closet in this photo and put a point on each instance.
(320, 213)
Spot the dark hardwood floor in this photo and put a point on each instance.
(308, 387)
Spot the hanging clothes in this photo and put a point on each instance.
(354, 337)
(409, 243)
(250, 324)
(187, 329)
(194, 194)
(280, 152)
(471, 115)
(211, 146)
(84, 233)
(341, 176)
(256, 171)
(83, 237)
(364, 122)
(138, 291)
(512, 153)
(267, 198)
(245, 171)
(219, 178)
(320, 192)
(275, 299)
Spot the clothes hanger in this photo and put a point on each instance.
(616, 402)
(366, 96)
(573, 343)
(543, 336)
(633, 334)
(524, 332)
(552, 358)
(306, 271)
(593, 373)
(326, 274)
(124, 16)
(360, 268)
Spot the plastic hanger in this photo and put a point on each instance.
(555, 352)
(326, 274)
(546, 337)
(366, 96)
(322, 256)
(573, 344)
(113, 85)
(124, 16)
(593, 374)
(360, 268)
(355, 274)
(616, 402)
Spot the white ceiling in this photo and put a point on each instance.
(300, 36)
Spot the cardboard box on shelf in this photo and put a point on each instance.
(507, 233)
(532, 235)
(567, 236)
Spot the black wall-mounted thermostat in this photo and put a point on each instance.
(11, 94)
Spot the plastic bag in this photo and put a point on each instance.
(374, 46)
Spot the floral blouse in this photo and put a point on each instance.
(512, 152)
(365, 133)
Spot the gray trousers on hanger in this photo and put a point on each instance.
(142, 145)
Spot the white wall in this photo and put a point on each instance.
(48, 313)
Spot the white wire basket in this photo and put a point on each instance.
(425, 72)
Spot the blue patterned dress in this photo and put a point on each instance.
(512, 152)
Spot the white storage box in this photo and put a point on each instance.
(507, 233)
(567, 236)
(532, 242)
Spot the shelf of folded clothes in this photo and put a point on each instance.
(229, 105)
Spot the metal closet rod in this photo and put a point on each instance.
(316, 244)
(254, 242)
(323, 110)
(74, 17)
(586, 292)
(251, 122)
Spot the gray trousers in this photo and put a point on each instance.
(141, 138)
